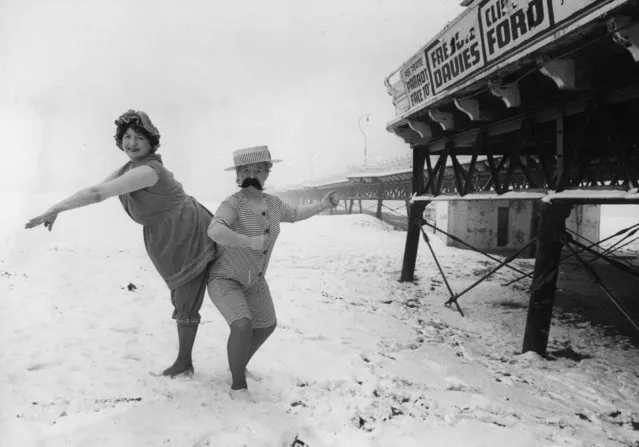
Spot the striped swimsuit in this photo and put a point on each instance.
(237, 282)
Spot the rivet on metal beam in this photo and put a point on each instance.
(444, 119)
(469, 106)
(421, 128)
(509, 94)
(625, 35)
(561, 71)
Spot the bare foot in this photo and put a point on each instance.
(241, 395)
(251, 375)
(179, 370)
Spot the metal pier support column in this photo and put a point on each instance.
(415, 216)
(552, 223)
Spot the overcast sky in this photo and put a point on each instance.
(214, 76)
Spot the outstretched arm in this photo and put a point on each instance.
(330, 200)
(133, 180)
(112, 176)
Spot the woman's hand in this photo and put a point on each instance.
(257, 242)
(330, 200)
(47, 218)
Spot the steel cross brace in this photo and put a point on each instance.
(596, 278)
(606, 252)
(594, 244)
(456, 239)
(452, 294)
(453, 299)
(620, 265)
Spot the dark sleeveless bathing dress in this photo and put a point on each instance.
(174, 225)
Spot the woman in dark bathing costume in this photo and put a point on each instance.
(174, 224)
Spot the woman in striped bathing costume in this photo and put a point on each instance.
(245, 228)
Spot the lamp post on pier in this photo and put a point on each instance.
(359, 124)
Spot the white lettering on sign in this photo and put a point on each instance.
(456, 54)
(562, 9)
(507, 24)
(415, 77)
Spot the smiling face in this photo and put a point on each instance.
(135, 144)
(255, 171)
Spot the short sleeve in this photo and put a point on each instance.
(228, 212)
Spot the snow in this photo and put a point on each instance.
(358, 358)
(528, 194)
(537, 194)
(631, 195)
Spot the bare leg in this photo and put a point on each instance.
(259, 337)
(183, 363)
(238, 347)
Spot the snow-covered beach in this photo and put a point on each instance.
(358, 359)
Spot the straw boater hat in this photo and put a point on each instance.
(250, 155)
